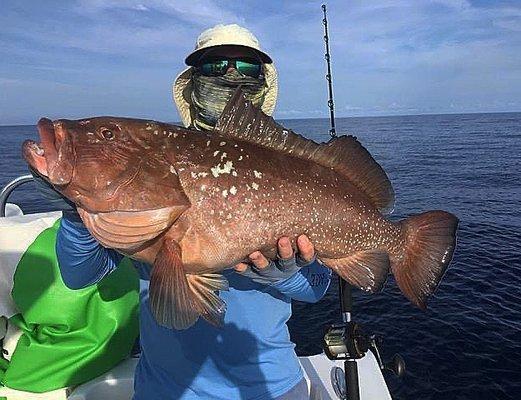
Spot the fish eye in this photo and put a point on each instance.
(107, 134)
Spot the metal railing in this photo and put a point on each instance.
(7, 190)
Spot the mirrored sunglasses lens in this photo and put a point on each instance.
(214, 68)
(248, 69)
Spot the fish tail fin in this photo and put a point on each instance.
(429, 245)
(366, 270)
(177, 299)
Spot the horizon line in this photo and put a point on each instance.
(327, 118)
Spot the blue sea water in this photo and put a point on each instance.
(467, 345)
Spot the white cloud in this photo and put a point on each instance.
(389, 56)
(200, 12)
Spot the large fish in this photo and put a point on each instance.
(193, 203)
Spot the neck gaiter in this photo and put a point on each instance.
(211, 93)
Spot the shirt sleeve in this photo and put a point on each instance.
(309, 284)
(82, 260)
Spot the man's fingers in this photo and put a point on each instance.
(284, 248)
(258, 259)
(305, 248)
(241, 267)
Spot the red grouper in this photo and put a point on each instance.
(194, 203)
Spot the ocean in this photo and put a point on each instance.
(467, 345)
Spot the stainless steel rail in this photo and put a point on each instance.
(6, 191)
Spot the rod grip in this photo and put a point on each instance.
(346, 298)
(351, 372)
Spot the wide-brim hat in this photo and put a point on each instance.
(223, 35)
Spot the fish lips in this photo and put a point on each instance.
(53, 158)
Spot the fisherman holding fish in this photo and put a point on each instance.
(189, 204)
(250, 356)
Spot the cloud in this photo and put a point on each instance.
(147, 28)
(200, 12)
(389, 56)
(415, 54)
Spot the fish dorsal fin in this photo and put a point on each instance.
(344, 154)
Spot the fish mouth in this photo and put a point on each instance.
(52, 157)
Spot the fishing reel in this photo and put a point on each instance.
(349, 342)
(345, 342)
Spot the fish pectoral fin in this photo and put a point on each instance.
(366, 270)
(177, 299)
(128, 230)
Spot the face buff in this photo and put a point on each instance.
(211, 93)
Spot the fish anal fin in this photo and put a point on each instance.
(177, 299)
(210, 306)
(366, 270)
(242, 120)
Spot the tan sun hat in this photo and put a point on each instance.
(222, 35)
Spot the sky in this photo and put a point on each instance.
(80, 58)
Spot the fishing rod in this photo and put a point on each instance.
(346, 301)
(337, 335)
(347, 341)
(329, 76)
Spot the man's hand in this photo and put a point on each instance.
(265, 271)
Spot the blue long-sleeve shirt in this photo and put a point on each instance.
(251, 357)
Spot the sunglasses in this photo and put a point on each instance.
(219, 67)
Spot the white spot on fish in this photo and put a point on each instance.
(148, 128)
(172, 170)
(234, 173)
(225, 193)
(208, 143)
(203, 188)
(233, 190)
(222, 143)
(194, 175)
(226, 169)
(255, 186)
(202, 174)
(90, 133)
(257, 174)
(240, 158)
(156, 132)
(215, 153)
(223, 156)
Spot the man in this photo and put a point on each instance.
(251, 356)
